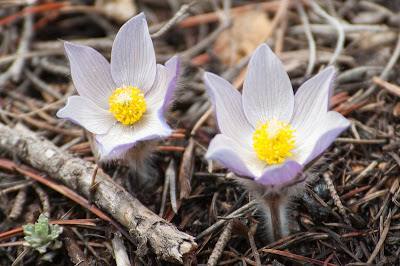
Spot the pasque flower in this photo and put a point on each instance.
(121, 102)
(267, 132)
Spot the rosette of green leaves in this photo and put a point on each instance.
(42, 235)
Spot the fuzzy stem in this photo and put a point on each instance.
(275, 206)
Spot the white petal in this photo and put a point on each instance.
(246, 162)
(122, 137)
(280, 173)
(228, 109)
(90, 73)
(311, 104)
(267, 91)
(85, 113)
(314, 145)
(133, 60)
(233, 155)
(161, 93)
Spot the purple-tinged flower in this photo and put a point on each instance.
(122, 103)
(267, 133)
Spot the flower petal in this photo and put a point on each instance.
(311, 104)
(90, 73)
(245, 162)
(228, 109)
(234, 156)
(267, 91)
(172, 66)
(87, 114)
(317, 143)
(281, 173)
(122, 137)
(161, 93)
(133, 60)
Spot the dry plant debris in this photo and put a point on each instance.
(348, 216)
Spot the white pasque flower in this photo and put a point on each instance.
(122, 103)
(267, 133)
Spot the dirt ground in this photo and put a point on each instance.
(192, 213)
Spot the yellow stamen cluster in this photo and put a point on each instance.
(127, 104)
(273, 141)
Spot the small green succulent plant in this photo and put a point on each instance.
(42, 235)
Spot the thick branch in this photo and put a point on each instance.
(147, 228)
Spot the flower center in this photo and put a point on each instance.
(273, 141)
(127, 104)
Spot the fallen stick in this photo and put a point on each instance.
(145, 227)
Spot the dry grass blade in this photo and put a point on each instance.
(171, 175)
(186, 170)
(296, 258)
(382, 238)
(391, 88)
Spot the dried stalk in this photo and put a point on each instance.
(219, 247)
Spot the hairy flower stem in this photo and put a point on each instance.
(275, 210)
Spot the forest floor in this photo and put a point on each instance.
(348, 215)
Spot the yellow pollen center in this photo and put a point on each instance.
(273, 141)
(127, 104)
